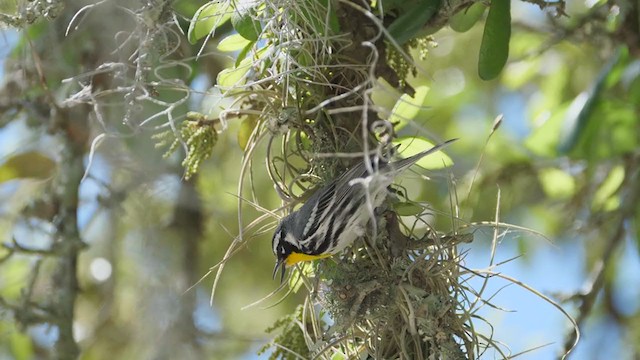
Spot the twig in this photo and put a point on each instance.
(16, 247)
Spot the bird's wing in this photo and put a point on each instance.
(385, 170)
(319, 207)
(315, 210)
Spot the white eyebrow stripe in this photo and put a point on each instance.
(276, 240)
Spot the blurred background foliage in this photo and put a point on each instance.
(565, 159)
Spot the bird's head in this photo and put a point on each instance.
(286, 248)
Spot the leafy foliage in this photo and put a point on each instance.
(305, 87)
(494, 49)
(291, 341)
(199, 136)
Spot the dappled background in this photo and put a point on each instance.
(562, 167)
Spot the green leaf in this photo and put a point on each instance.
(21, 346)
(464, 20)
(606, 198)
(521, 73)
(408, 108)
(235, 76)
(207, 19)
(576, 121)
(233, 42)
(579, 122)
(544, 139)
(246, 129)
(245, 24)
(613, 131)
(338, 356)
(494, 49)
(557, 184)
(243, 53)
(634, 90)
(33, 165)
(305, 142)
(407, 208)
(412, 145)
(412, 20)
(9, 7)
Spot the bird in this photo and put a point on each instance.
(337, 213)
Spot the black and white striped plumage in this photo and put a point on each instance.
(337, 214)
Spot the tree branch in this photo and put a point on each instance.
(67, 243)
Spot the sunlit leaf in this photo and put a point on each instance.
(551, 93)
(208, 17)
(235, 76)
(33, 165)
(185, 6)
(412, 145)
(494, 49)
(621, 133)
(521, 43)
(246, 129)
(557, 184)
(464, 20)
(233, 42)
(545, 138)
(17, 268)
(412, 20)
(611, 132)
(21, 346)
(8, 7)
(606, 197)
(338, 356)
(407, 107)
(520, 73)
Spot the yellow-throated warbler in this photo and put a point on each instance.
(336, 214)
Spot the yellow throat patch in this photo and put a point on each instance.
(295, 257)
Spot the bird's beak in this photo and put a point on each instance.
(280, 263)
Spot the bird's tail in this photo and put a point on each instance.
(401, 165)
